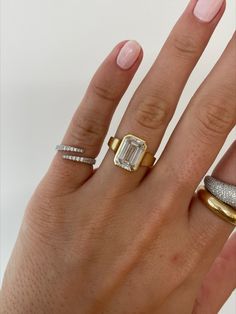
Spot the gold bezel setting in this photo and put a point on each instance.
(130, 152)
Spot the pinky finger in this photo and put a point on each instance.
(219, 282)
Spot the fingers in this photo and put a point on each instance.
(90, 122)
(219, 282)
(154, 102)
(203, 128)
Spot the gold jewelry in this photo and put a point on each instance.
(221, 209)
(131, 152)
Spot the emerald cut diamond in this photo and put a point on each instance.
(130, 152)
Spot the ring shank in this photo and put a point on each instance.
(221, 209)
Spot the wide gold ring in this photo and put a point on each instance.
(221, 209)
(131, 152)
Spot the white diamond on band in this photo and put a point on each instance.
(86, 160)
(66, 148)
(223, 191)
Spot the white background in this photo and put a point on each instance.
(50, 49)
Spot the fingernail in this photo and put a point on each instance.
(206, 10)
(128, 54)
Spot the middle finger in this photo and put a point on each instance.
(154, 102)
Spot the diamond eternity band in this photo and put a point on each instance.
(67, 148)
(86, 160)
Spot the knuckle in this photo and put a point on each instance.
(105, 93)
(87, 131)
(152, 112)
(215, 118)
(185, 45)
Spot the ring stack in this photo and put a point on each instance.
(220, 198)
(67, 148)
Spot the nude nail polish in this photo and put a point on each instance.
(206, 10)
(128, 54)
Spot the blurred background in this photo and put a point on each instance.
(49, 51)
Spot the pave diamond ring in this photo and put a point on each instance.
(67, 148)
(130, 152)
(223, 191)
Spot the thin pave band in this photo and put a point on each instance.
(85, 160)
(67, 148)
(223, 191)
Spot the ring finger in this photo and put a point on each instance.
(203, 128)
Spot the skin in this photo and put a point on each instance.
(113, 242)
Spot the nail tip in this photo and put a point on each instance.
(128, 54)
(206, 11)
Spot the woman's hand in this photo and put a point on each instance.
(111, 241)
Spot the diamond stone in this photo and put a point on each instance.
(130, 152)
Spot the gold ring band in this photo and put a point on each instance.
(221, 209)
(131, 152)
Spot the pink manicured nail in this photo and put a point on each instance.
(206, 10)
(128, 54)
